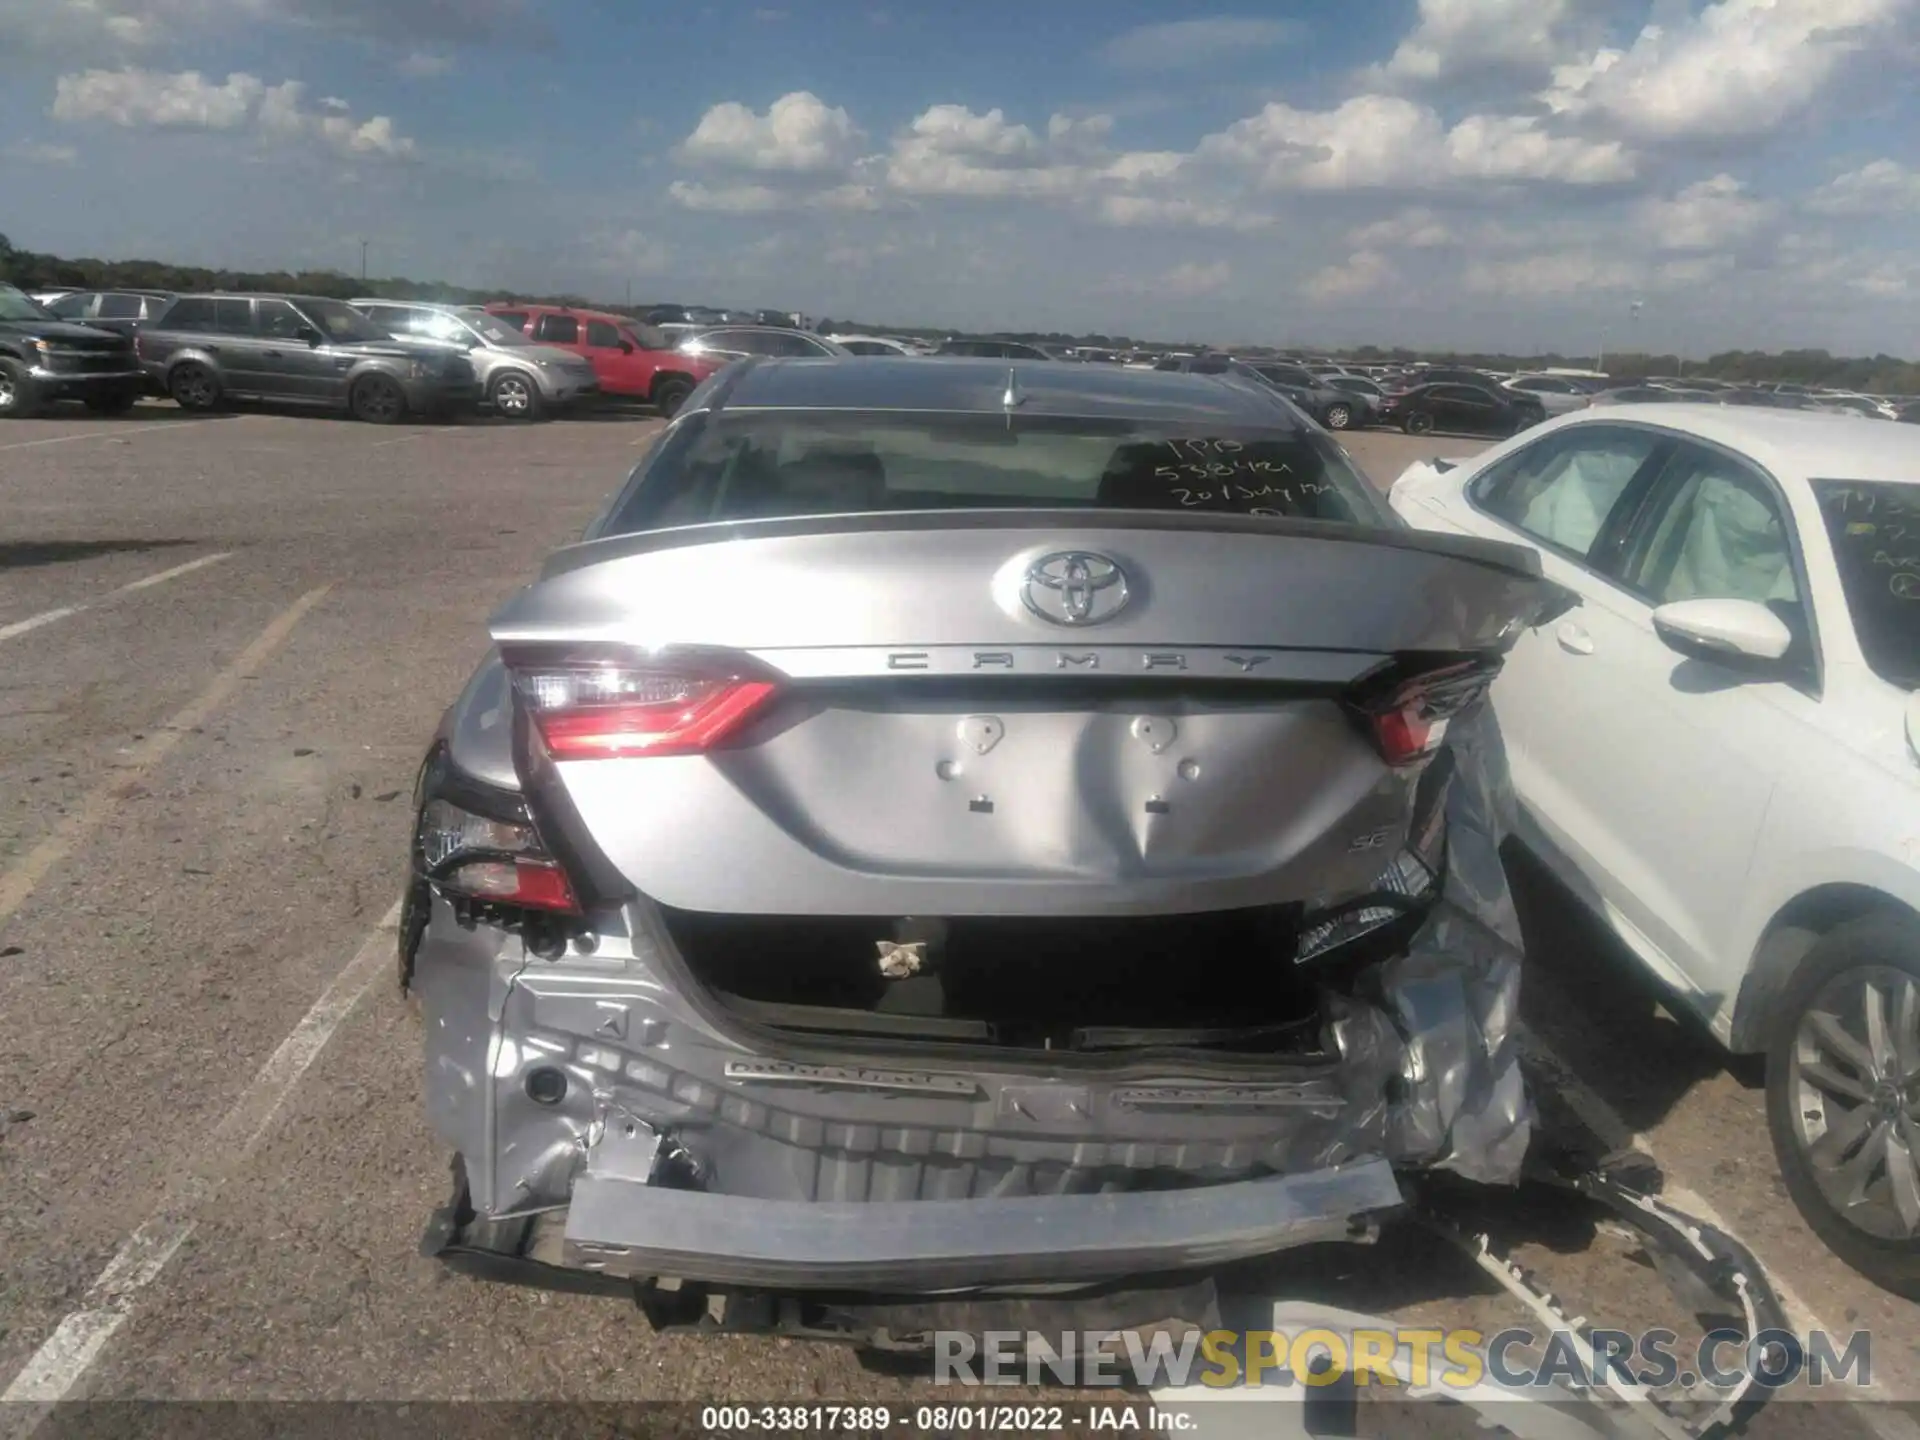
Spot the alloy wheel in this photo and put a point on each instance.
(378, 400)
(1339, 417)
(1855, 1083)
(512, 396)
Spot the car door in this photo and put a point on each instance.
(619, 363)
(1475, 411)
(1663, 766)
(1565, 494)
(290, 362)
(240, 350)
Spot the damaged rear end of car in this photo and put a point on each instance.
(956, 830)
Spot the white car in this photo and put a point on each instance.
(1719, 751)
(1556, 393)
(872, 345)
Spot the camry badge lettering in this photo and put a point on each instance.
(1075, 587)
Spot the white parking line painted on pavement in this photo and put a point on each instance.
(1615, 1133)
(47, 617)
(106, 432)
(34, 622)
(19, 880)
(56, 1367)
(174, 573)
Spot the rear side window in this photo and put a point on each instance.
(1562, 490)
(233, 317)
(196, 312)
(1875, 530)
(557, 329)
(1717, 534)
(119, 307)
(280, 321)
(72, 307)
(746, 465)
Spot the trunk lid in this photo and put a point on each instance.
(1013, 713)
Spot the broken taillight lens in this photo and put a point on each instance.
(600, 712)
(492, 860)
(1407, 713)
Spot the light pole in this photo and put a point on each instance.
(363, 262)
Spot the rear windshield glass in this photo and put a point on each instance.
(1875, 530)
(747, 466)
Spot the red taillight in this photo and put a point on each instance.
(536, 884)
(1409, 721)
(606, 712)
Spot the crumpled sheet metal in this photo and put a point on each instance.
(1444, 1014)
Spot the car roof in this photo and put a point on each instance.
(532, 308)
(1803, 444)
(261, 295)
(434, 305)
(978, 386)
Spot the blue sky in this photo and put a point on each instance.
(1476, 173)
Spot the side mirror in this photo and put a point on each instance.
(1724, 630)
(626, 347)
(309, 334)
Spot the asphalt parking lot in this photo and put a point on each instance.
(223, 645)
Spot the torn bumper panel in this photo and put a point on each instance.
(591, 1085)
(625, 1228)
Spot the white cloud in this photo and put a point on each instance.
(1453, 38)
(41, 29)
(1880, 187)
(1365, 272)
(1148, 210)
(136, 99)
(951, 150)
(1387, 141)
(1413, 229)
(1515, 147)
(133, 97)
(1191, 278)
(626, 252)
(1185, 44)
(1707, 215)
(40, 152)
(425, 65)
(1540, 276)
(799, 134)
(725, 199)
(1738, 69)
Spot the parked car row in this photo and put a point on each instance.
(378, 360)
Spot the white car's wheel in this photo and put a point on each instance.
(1843, 1096)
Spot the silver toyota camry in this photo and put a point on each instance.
(964, 825)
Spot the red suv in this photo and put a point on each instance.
(631, 359)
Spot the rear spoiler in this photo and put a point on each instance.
(1519, 560)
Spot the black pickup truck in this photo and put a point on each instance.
(44, 359)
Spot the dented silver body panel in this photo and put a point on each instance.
(945, 740)
(1427, 1075)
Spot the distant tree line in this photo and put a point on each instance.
(30, 270)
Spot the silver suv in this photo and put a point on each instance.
(967, 826)
(519, 379)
